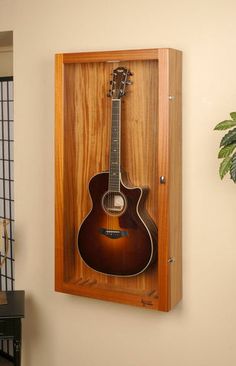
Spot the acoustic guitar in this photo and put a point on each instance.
(117, 237)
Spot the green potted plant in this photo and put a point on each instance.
(227, 147)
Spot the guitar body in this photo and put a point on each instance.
(117, 237)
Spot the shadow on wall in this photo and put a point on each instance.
(35, 333)
(6, 53)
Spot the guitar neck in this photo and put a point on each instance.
(114, 170)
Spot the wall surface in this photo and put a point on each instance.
(61, 329)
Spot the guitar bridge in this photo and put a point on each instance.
(113, 234)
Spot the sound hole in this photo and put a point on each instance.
(114, 203)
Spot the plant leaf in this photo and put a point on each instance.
(233, 168)
(229, 138)
(233, 115)
(225, 166)
(224, 125)
(226, 150)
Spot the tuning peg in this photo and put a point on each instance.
(109, 94)
(129, 82)
(131, 73)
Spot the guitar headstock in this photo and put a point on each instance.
(120, 79)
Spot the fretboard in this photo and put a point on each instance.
(114, 171)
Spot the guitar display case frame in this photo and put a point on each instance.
(151, 156)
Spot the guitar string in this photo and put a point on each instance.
(115, 124)
(110, 170)
(109, 194)
(111, 161)
(110, 201)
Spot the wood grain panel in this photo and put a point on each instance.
(169, 166)
(88, 122)
(163, 189)
(111, 56)
(59, 194)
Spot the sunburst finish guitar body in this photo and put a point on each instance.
(117, 237)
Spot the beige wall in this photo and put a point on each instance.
(61, 329)
(6, 61)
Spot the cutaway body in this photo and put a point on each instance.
(117, 237)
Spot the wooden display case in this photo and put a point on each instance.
(151, 155)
